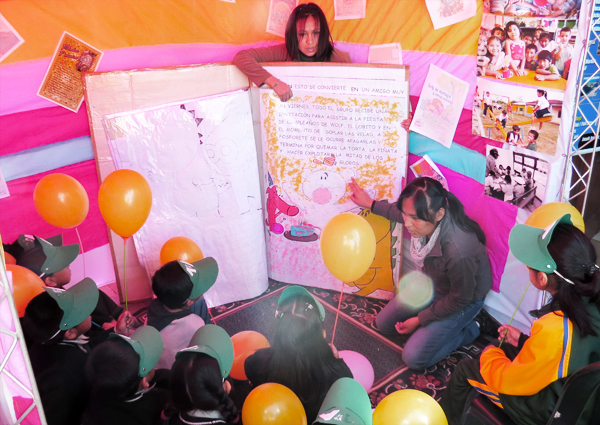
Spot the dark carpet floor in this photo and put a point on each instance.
(355, 331)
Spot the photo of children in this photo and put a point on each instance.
(517, 177)
(520, 116)
(526, 50)
(565, 9)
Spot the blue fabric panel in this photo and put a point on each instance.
(46, 158)
(457, 158)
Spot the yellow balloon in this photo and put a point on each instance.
(546, 214)
(348, 246)
(409, 407)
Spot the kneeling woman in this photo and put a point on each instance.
(447, 246)
(526, 375)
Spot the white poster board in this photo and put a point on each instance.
(340, 124)
(199, 157)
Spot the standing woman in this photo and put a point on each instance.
(447, 246)
(307, 39)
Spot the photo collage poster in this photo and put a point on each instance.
(523, 63)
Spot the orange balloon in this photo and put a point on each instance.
(273, 404)
(180, 248)
(26, 285)
(9, 259)
(245, 343)
(61, 200)
(125, 199)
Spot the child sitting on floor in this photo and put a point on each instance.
(199, 391)
(299, 356)
(526, 375)
(55, 321)
(122, 377)
(50, 260)
(346, 402)
(177, 286)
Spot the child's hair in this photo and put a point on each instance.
(491, 173)
(542, 92)
(504, 111)
(575, 259)
(112, 369)
(509, 24)
(325, 43)
(492, 38)
(507, 178)
(197, 383)
(498, 29)
(535, 134)
(516, 128)
(565, 29)
(172, 285)
(429, 196)
(301, 355)
(528, 173)
(531, 47)
(545, 35)
(42, 319)
(544, 55)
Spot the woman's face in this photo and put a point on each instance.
(415, 226)
(308, 36)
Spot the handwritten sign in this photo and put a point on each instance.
(440, 105)
(62, 83)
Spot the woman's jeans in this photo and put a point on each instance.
(430, 344)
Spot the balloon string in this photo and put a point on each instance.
(337, 314)
(514, 313)
(82, 253)
(125, 271)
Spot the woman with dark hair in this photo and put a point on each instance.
(299, 357)
(307, 39)
(447, 246)
(526, 375)
(199, 391)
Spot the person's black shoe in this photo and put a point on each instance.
(487, 324)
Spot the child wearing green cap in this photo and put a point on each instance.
(56, 321)
(178, 286)
(526, 375)
(199, 391)
(347, 402)
(125, 387)
(50, 260)
(299, 357)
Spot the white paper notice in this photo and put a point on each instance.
(350, 9)
(440, 106)
(279, 12)
(448, 12)
(386, 53)
(199, 157)
(4, 193)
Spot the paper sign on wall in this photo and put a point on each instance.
(440, 105)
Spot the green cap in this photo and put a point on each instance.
(530, 244)
(44, 257)
(346, 402)
(203, 274)
(77, 302)
(296, 291)
(148, 343)
(214, 341)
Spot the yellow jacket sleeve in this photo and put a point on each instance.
(542, 360)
